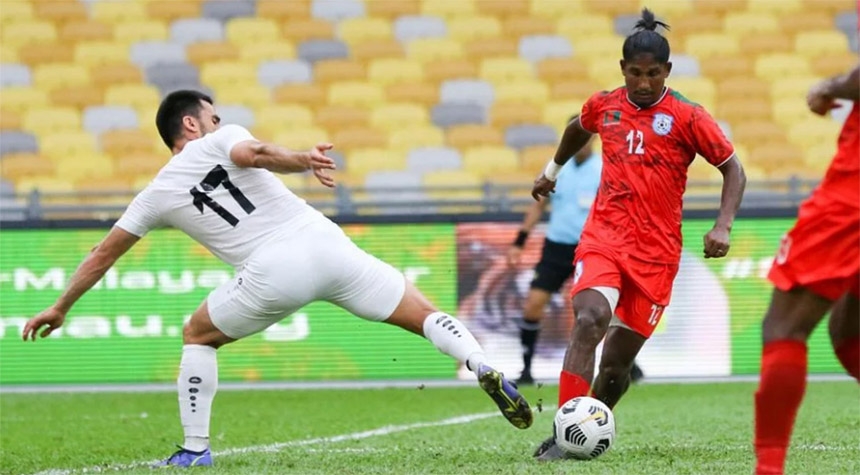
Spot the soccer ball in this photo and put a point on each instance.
(584, 428)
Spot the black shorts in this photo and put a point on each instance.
(555, 266)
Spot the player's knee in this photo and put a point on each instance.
(591, 323)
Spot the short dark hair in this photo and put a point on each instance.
(646, 39)
(173, 108)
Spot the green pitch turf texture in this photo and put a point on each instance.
(662, 429)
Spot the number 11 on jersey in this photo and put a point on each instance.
(636, 142)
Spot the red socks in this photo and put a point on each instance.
(848, 353)
(571, 386)
(780, 392)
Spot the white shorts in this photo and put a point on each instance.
(317, 263)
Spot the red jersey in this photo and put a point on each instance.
(842, 181)
(646, 153)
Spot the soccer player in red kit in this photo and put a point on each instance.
(816, 268)
(631, 244)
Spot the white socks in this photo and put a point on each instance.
(454, 339)
(197, 382)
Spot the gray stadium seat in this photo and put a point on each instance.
(274, 73)
(6, 187)
(184, 86)
(337, 10)
(446, 115)
(99, 119)
(148, 53)
(14, 141)
(624, 24)
(847, 22)
(165, 76)
(339, 159)
(315, 50)
(521, 136)
(383, 186)
(726, 128)
(684, 65)
(239, 115)
(409, 27)
(467, 91)
(12, 74)
(11, 209)
(853, 41)
(433, 158)
(223, 10)
(194, 30)
(539, 47)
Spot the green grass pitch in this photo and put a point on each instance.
(662, 429)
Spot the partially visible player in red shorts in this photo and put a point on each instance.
(816, 268)
(630, 247)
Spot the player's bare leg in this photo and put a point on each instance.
(844, 329)
(533, 312)
(619, 353)
(789, 321)
(197, 384)
(416, 314)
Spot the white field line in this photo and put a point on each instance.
(382, 431)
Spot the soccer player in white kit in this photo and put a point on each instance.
(219, 189)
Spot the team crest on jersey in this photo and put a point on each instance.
(662, 124)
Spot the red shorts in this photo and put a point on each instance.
(822, 251)
(644, 287)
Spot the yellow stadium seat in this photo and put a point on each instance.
(59, 12)
(739, 23)
(18, 166)
(733, 110)
(22, 99)
(422, 93)
(311, 94)
(581, 29)
(140, 163)
(51, 120)
(100, 52)
(614, 8)
(45, 184)
(606, 74)
(9, 54)
(705, 45)
(55, 75)
(248, 94)
(67, 143)
(15, 12)
(84, 166)
(359, 137)
(758, 132)
(831, 7)
(267, 51)
(10, 120)
(473, 135)
(373, 49)
(36, 54)
(219, 73)
(481, 49)
(558, 113)
(518, 26)
(105, 75)
(429, 50)
(719, 7)
(439, 183)
(292, 10)
(211, 51)
(742, 86)
(831, 64)
(415, 137)
(805, 20)
(792, 87)
(503, 8)
(168, 12)
(812, 44)
(694, 24)
(391, 117)
(359, 30)
(778, 66)
(453, 69)
(533, 159)
(252, 31)
(553, 70)
(467, 28)
(604, 48)
(578, 90)
(522, 92)
(373, 159)
(501, 70)
(769, 6)
(356, 93)
(814, 131)
(299, 30)
(78, 97)
(787, 111)
(726, 67)
(760, 44)
(818, 156)
(116, 12)
(277, 117)
(391, 9)
(86, 30)
(119, 143)
(449, 10)
(136, 96)
(134, 31)
(487, 161)
(338, 117)
(699, 90)
(554, 9)
(390, 71)
(774, 155)
(23, 33)
(293, 181)
(332, 70)
(302, 138)
(504, 115)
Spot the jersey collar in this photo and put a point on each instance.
(665, 91)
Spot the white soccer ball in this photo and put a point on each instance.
(584, 428)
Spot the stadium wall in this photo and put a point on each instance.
(128, 329)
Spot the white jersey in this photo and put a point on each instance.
(229, 210)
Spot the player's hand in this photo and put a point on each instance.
(819, 102)
(543, 187)
(51, 317)
(320, 163)
(515, 255)
(717, 243)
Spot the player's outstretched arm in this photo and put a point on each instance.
(92, 269)
(846, 86)
(734, 182)
(279, 159)
(574, 138)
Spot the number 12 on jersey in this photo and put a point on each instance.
(636, 142)
(215, 178)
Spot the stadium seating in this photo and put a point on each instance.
(441, 92)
